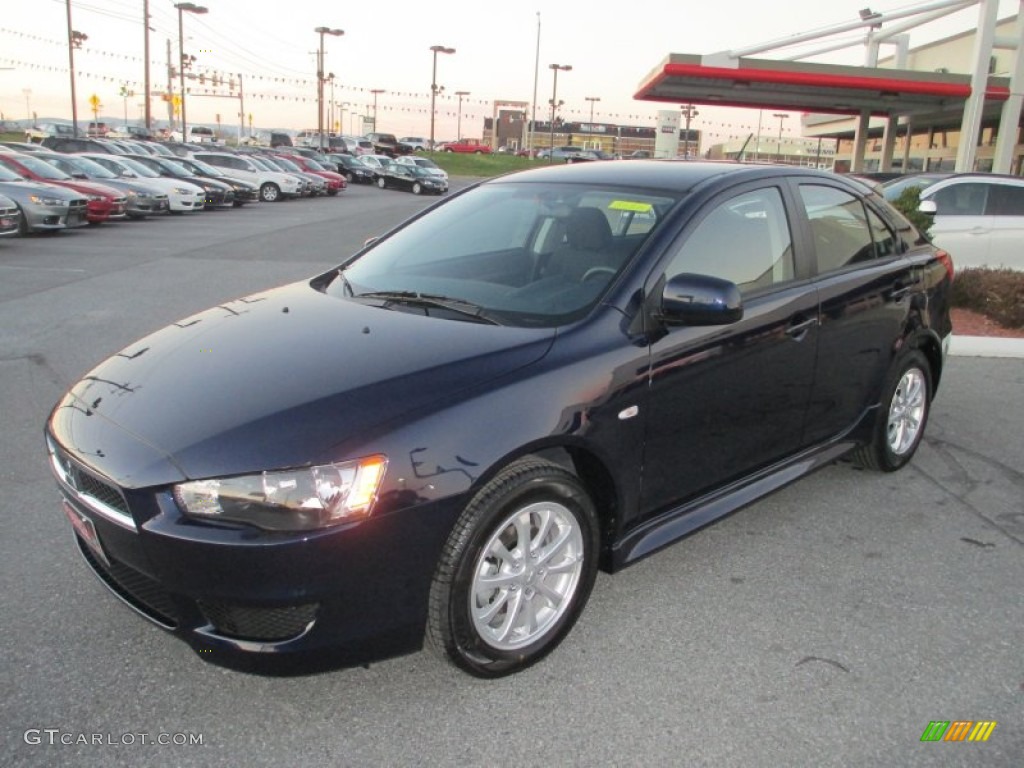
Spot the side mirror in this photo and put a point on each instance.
(689, 299)
(928, 207)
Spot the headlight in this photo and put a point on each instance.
(40, 200)
(295, 500)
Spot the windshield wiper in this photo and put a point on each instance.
(412, 298)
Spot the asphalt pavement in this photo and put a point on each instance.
(827, 625)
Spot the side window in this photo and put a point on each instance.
(839, 225)
(961, 200)
(1005, 200)
(885, 240)
(745, 239)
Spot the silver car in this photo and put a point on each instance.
(142, 199)
(44, 207)
(10, 217)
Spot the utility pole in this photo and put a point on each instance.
(778, 148)
(375, 92)
(689, 113)
(170, 88)
(241, 109)
(145, 32)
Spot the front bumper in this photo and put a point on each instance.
(246, 598)
(189, 202)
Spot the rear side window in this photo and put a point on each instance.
(1005, 200)
(839, 226)
(961, 200)
(745, 239)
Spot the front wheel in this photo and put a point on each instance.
(516, 570)
(381, 183)
(899, 426)
(270, 192)
(417, 188)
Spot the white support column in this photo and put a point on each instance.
(967, 147)
(1009, 119)
(888, 143)
(906, 144)
(860, 140)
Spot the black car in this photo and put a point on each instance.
(244, 192)
(447, 435)
(354, 171)
(219, 194)
(411, 178)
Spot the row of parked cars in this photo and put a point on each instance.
(68, 182)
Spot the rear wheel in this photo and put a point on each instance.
(902, 416)
(516, 571)
(332, 192)
(270, 192)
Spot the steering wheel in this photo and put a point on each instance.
(596, 271)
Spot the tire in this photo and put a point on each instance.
(478, 152)
(332, 192)
(417, 188)
(270, 192)
(350, 177)
(902, 416)
(381, 183)
(531, 607)
(449, 151)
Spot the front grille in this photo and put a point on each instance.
(89, 484)
(138, 590)
(263, 624)
(78, 206)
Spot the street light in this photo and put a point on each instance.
(433, 88)
(375, 92)
(555, 104)
(460, 94)
(778, 148)
(320, 81)
(182, 9)
(592, 99)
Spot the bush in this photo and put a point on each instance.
(996, 293)
(907, 204)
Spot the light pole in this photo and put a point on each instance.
(460, 94)
(592, 99)
(778, 148)
(182, 9)
(689, 113)
(376, 92)
(555, 104)
(533, 104)
(433, 88)
(145, 55)
(320, 81)
(330, 108)
(75, 40)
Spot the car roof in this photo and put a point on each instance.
(676, 176)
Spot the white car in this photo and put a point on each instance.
(376, 163)
(273, 185)
(182, 196)
(425, 163)
(979, 219)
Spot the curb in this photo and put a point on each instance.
(986, 346)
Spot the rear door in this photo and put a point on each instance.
(1005, 212)
(961, 225)
(865, 286)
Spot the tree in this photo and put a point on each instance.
(908, 203)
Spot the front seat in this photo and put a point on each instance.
(588, 244)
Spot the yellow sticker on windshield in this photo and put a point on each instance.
(629, 205)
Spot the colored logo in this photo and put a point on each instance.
(958, 730)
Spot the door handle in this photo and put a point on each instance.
(798, 328)
(901, 288)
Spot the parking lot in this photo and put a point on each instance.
(826, 625)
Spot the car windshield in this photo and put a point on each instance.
(6, 174)
(42, 168)
(527, 254)
(173, 168)
(264, 164)
(202, 167)
(286, 164)
(423, 162)
(138, 168)
(893, 189)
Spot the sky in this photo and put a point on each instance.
(272, 46)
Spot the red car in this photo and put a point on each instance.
(335, 181)
(105, 203)
(467, 146)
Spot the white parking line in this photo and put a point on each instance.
(42, 269)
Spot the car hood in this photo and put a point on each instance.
(20, 190)
(274, 380)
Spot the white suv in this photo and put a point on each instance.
(979, 219)
(273, 185)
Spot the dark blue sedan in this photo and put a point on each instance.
(448, 435)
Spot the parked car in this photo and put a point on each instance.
(447, 434)
(22, 146)
(141, 199)
(97, 130)
(38, 132)
(273, 185)
(415, 143)
(245, 192)
(335, 181)
(104, 203)
(79, 144)
(979, 218)
(468, 146)
(310, 184)
(218, 193)
(411, 178)
(182, 196)
(376, 163)
(425, 163)
(354, 171)
(892, 189)
(386, 144)
(44, 207)
(10, 217)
